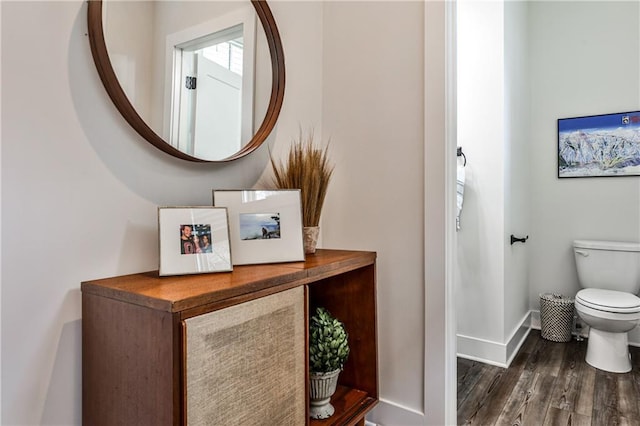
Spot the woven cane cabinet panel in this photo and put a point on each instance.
(184, 350)
(249, 352)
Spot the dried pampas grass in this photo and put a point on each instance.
(306, 168)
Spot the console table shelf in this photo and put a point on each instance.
(351, 405)
(138, 339)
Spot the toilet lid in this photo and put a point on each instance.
(609, 300)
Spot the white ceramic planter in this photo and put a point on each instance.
(322, 387)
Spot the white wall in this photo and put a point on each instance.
(517, 202)
(585, 60)
(373, 111)
(86, 186)
(80, 190)
(78, 179)
(481, 134)
(556, 65)
(128, 33)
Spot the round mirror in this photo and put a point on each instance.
(200, 80)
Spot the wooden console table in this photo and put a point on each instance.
(172, 350)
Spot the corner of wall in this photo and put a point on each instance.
(495, 353)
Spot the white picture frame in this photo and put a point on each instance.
(183, 234)
(265, 226)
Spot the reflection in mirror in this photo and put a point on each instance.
(201, 80)
(211, 89)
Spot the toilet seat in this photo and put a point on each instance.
(608, 300)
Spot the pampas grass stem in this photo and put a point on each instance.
(306, 168)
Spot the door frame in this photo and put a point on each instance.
(440, 392)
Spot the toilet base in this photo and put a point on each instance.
(608, 351)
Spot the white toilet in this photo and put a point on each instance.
(609, 273)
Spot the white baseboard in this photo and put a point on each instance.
(518, 336)
(535, 320)
(481, 350)
(388, 413)
(494, 353)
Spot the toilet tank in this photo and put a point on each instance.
(609, 265)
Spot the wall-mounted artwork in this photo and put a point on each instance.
(599, 145)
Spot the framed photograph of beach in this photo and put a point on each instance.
(265, 226)
(193, 240)
(599, 145)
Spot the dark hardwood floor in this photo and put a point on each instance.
(548, 383)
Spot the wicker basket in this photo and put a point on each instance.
(556, 317)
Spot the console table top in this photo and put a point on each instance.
(178, 293)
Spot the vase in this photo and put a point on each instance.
(321, 387)
(310, 238)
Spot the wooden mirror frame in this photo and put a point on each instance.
(128, 111)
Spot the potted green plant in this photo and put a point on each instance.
(328, 351)
(307, 167)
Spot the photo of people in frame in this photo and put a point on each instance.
(195, 239)
(259, 226)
